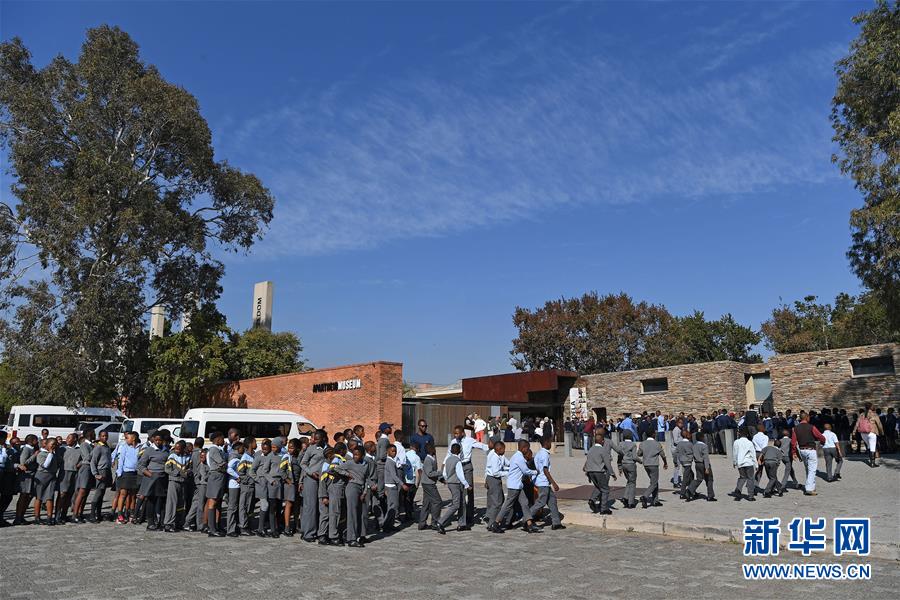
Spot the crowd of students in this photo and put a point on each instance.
(338, 490)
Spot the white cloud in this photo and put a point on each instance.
(515, 127)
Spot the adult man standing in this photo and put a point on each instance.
(661, 427)
(422, 438)
(803, 440)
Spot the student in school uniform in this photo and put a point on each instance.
(760, 441)
(197, 502)
(71, 458)
(598, 468)
(356, 473)
(393, 487)
(515, 482)
(311, 467)
(431, 497)
(201, 477)
(676, 439)
(215, 484)
(495, 469)
(770, 458)
(337, 486)
(26, 484)
(126, 478)
(234, 488)
(744, 459)
(649, 453)
(154, 483)
(85, 481)
(258, 472)
(467, 444)
(275, 475)
(45, 482)
(247, 485)
(381, 447)
(178, 470)
(784, 444)
(455, 477)
(831, 449)
(372, 489)
(101, 471)
(291, 487)
(412, 476)
(547, 486)
(325, 479)
(627, 464)
(703, 469)
(7, 477)
(60, 451)
(684, 452)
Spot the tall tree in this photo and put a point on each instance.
(865, 115)
(259, 352)
(118, 193)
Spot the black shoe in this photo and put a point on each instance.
(605, 512)
(494, 528)
(751, 499)
(737, 498)
(274, 535)
(657, 503)
(354, 545)
(308, 540)
(5, 523)
(288, 533)
(531, 529)
(734, 494)
(593, 506)
(558, 527)
(463, 528)
(363, 540)
(152, 527)
(324, 542)
(216, 533)
(247, 533)
(837, 477)
(233, 534)
(441, 530)
(643, 502)
(192, 528)
(169, 529)
(767, 494)
(337, 542)
(423, 527)
(712, 499)
(204, 529)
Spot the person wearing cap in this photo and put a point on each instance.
(467, 444)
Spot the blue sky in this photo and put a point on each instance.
(437, 164)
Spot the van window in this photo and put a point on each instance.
(67, 421)
(12, 420)
(148, 426)
(305, 429)
(128, 426)
(259, 430)
(113, 427)
(95, 418)
(189, 429)
(24, 420)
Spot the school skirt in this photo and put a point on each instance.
(44, 486)
(275, 490)
(290, 492)
(155, 485)
(127, 481)
(215, 485)
(85, 479)
(67, 485)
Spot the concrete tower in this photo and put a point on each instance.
(262, 305)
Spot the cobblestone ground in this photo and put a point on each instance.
(110, 561)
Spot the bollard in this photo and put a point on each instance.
(569, 439)
(729, 444)
(670, 446)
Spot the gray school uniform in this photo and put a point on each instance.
(354, 493)
(247, 490)
(457, 503)
(703, 469)
(101, 470)
(218, 462)
(370, 497)
(772, 457)
(322, 495)
(45, 477)
(311, 466)
(258, 473)
(71, 461)
(393, 480)
(547, 497)
(201, 476)
(85, 481)
(676, 438)
(336, 489)
(431, 498)
(784, 444)
(154, 460)
(649, 453)
(191, 488)
(177, 474)
(832, 458)
(60, 468)
(627, 451)
(292, 480)
(277, 468)
(598, 467)
(7, 475)
(684, 457)
(381, 448)
(28, 459)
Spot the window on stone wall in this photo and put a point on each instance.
(876, 365)
(654, 386)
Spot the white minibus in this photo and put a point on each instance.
(259, 423)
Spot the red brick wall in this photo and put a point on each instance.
(378, 399)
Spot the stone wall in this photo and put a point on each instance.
(378, 397)
(820, 379)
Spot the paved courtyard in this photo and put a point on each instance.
(114, 562)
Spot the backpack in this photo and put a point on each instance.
(864, 426)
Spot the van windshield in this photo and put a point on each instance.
(305, 429)
(12, 419)
(128, 426)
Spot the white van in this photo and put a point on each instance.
(59, 420)
(200, 422)
(113, 430)
(143, 426)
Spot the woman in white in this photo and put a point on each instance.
(869, 427)
(480, 426)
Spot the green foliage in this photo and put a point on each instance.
(259, 352)
(865, 116)
(808, 325)
(118, 193)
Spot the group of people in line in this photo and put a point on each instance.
(333, 490)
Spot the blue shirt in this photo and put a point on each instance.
(661, 424)
(629, 425)
(233, 476)
(542, 460)
(518, 468)
(496, 465)
(467, 444)
(128, 460)
(422, 441)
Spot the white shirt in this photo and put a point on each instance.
(467, 444)
(480, 425)
(760, 440)
(512, 422)
(412, 467)
(830, 438)
(401, 454)
(744, 453)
